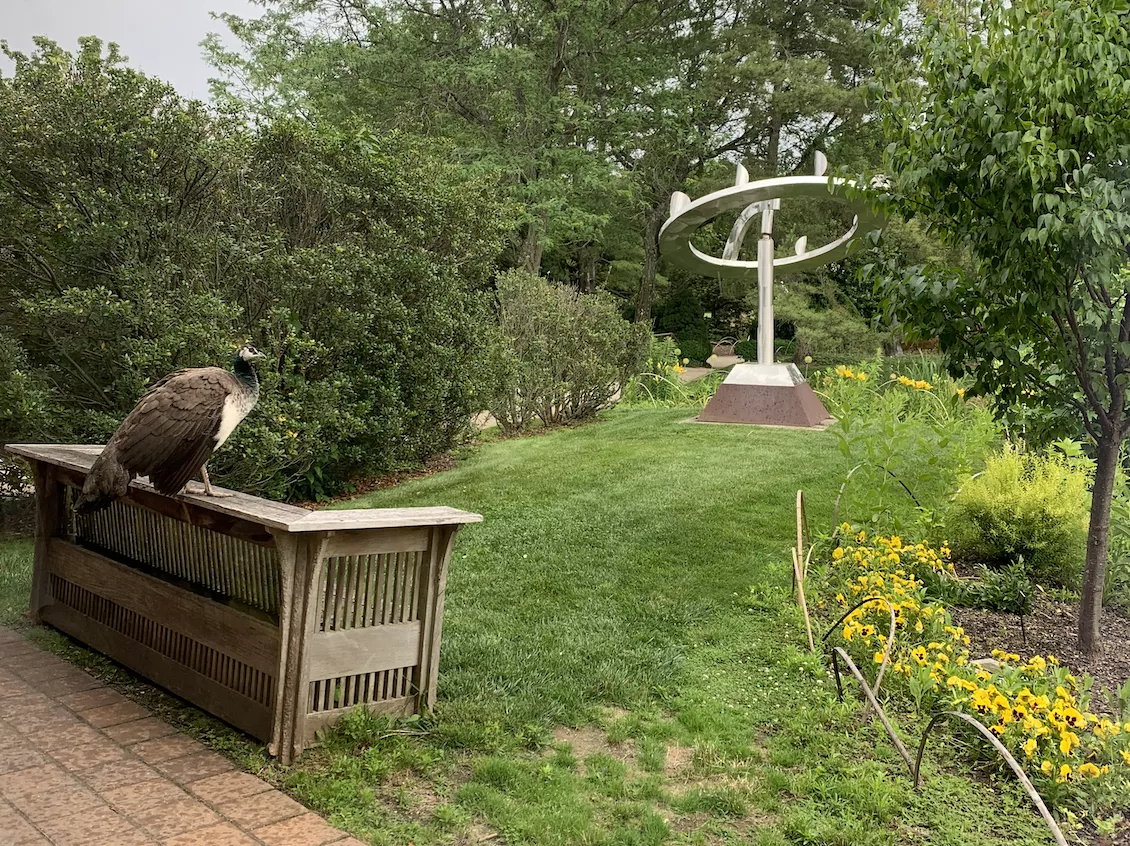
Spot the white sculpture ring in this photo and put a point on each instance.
(686, 217)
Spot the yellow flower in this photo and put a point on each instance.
(1046, 767)
(879, 657)
(918, 627)
(837, 553)
(1068, 740)
(1030, 747)
(1064, 773)
(1125, 753)
(847, 632)
(1089, 770)
(919, 655)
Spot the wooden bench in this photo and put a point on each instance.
(274, 618)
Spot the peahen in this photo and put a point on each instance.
(173, 431)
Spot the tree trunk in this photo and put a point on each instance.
(646, 293)
(1094, 573)
(532, 245)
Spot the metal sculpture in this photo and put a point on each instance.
(779, 393)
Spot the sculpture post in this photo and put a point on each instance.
(765, 392)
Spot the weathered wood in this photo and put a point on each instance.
(317, 723)
(158, 583)
(376, 541)
(287, 546)
(382, 518)
(356, 651)
(229, 705)
(440, 553)
(217, 626)
(48, 509)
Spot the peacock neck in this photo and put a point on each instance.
(246, 373)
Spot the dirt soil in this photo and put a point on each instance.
(1052, 629)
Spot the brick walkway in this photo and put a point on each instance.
(82, 765)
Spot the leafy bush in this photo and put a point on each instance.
(563, 353)
(141, 233)
(659, 386)
(695, 352)
(906, 442)
(1024, 504)
(747, 349)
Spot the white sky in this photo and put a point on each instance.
(160, 37)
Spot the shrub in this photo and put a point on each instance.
(563, 353)
(1024, 504)
(906, 442)
(147, 233)
(659, 386)
(747, 349)
(695, 351)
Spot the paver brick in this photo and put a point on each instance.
(134, 798)
(100, 827)
(114, 714)
(51, 670)
(65, 685)
(166, 748)
(47, 776)
(173, 818)
(51, 737)
(17, 831)
(191, 768)
(8, 635)
(227, 787)
(16, 648)
(100, 750)
(117, 774)
(19, 757)
(93, 698)
(262, 809)
(139, 731)
(224, 834)
(37, 719)
(42, 793)
(14, 687)
(306, 830)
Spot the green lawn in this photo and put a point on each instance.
(609, 677)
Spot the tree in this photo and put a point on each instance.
(591, 113)
(140, 233)
(1012, 140)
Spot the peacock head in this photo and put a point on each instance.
(248, 354)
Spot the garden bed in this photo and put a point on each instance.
(1052, 629)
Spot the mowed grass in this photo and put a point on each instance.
(622, 664)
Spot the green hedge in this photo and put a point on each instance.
(146, 233)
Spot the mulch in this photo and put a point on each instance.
(1052, 629)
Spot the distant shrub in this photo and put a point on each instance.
(746, 349)
(695, 351)
(1024, 504)
(561, 354)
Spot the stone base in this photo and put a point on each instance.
(766, 395)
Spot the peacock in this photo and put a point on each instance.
(173, 431)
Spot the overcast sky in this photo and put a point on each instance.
(160, 37)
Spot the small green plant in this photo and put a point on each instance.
(1009, 591)
(694, 352)
(1024, 504)
(747, 349)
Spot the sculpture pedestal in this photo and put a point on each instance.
(766, 395)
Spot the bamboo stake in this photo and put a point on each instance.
(798, 575)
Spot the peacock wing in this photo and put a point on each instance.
(171, 432)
